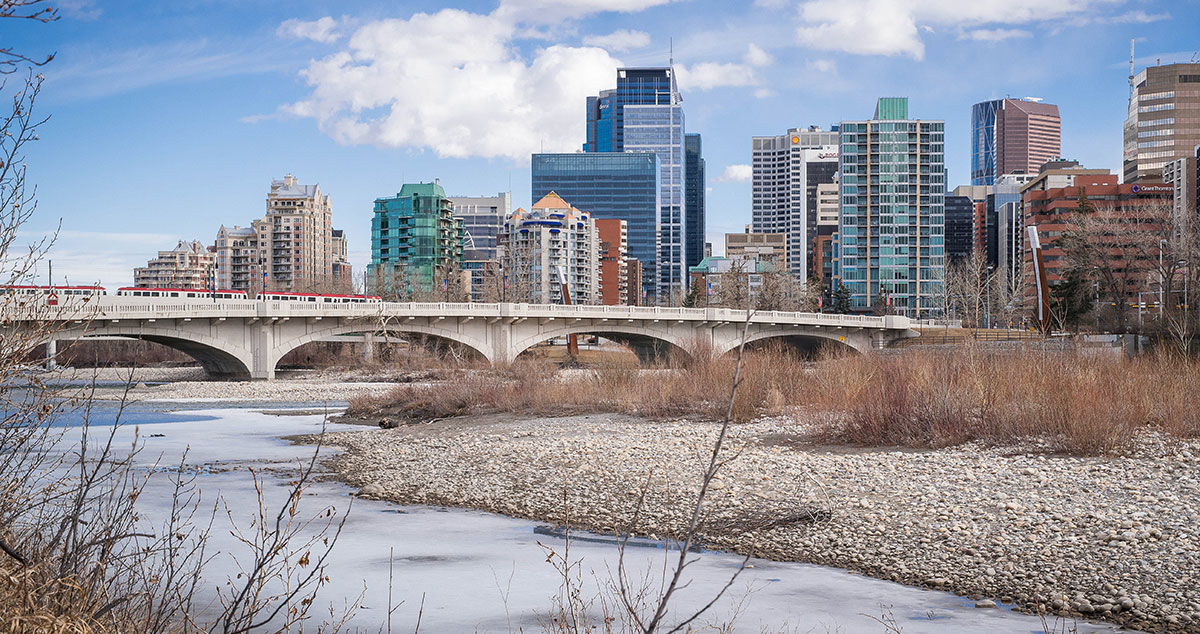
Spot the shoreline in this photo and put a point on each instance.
(190, 385)
(1110, 538)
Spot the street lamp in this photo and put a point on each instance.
(1161, 278)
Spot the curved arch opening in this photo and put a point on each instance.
(375, 344)
(807, 347)
(648, 349)
(217, 363)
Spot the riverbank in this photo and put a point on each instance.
(190, 384)
(1113, 538)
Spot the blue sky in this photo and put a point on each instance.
(169, 119)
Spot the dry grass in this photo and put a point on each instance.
(1075, 402)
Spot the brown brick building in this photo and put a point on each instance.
(1131, 208)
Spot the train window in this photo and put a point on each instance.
(177, 295)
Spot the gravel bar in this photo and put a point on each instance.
(1107, 538)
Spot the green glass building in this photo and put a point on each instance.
(892, 225)
(414, 235)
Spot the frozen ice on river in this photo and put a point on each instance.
(480, 572)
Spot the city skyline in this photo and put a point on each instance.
(226, 97)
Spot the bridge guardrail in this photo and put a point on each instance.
(141, 308)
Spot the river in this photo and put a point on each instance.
(480, 572)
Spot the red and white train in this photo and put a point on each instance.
(189, 293)
(322, 298)
(60, 291)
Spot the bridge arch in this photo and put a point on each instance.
(284, 346)
(648, 344)
(808, 343)
(218, 357)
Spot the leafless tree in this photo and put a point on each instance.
(1119, 250)
(733, 286)
(76, 554)
(966, 288)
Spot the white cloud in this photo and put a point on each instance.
(453, 82)
(893, 27)
(709, 75)
(736, 174)
(620, 40)
(551, 11)
(772, 4)
(822, 65)
(322, 30)
(763, 93)
(994, 35)
(1134, 17)
(755, 56)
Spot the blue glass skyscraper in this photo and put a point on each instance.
(643, 115)
(983, 142)
(693, 204)
(622, 185)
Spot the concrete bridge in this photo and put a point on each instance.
(245, 339)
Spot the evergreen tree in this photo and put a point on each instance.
(841, 300)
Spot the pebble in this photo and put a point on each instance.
(1111, 538)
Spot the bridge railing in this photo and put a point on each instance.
(142, 308)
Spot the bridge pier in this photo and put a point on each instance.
(51, 354)
(368, 347)
(262, 350)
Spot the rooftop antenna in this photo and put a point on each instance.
(1131, 40)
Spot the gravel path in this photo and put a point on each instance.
(1108, 538)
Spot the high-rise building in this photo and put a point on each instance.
(960, 222)
(241, 260)
(1004, 236)
(892, 210)
(301, 249)
(643, 115)
(414, 237)
(824, 243)
(1050, 211)
(786, 171)
(978, 195)
(341, 273)
(614, 261)
(695, 192)
(1012, 136)
(552, 245)
(188, 265)
(1184, 178)
(764, 247)
(1163, 120)
(291, 249)
(624, 186)
(483, 218)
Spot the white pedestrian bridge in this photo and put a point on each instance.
(245, 339)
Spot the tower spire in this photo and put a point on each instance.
(1131, 40)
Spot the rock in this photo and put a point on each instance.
(986, 603)
(371, 491)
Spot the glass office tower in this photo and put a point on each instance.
(892, 204)
(643, 115)
(983, 142)
(621, 185)
(413, 235)
(694, 200)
